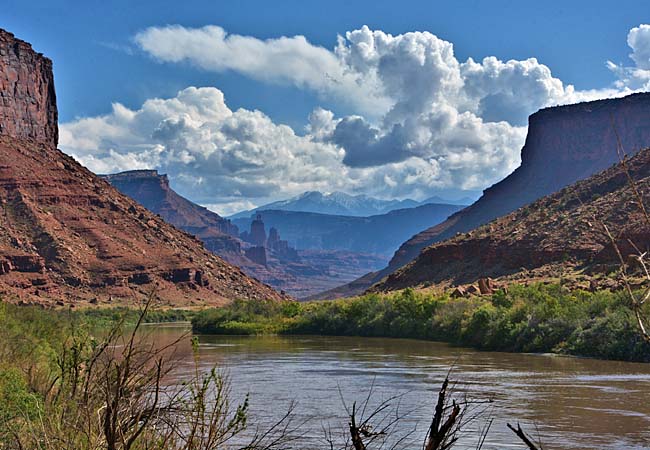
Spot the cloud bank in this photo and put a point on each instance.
(424, 120)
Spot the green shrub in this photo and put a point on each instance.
(535, 318)
(17, 402)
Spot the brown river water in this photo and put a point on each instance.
(570, 403)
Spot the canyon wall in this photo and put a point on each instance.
(27, 96)
(557, 237)
(564, 144)
(69, 237)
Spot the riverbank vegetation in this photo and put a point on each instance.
(61, 387)
(536, 318)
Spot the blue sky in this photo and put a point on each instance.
(573, 38)
(97, 63)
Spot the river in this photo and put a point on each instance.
(569, 403)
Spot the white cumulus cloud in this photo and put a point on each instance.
(639, 41)
(288, 60)
(424, 120)
(222, 157)
(635, 77)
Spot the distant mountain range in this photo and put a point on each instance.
(331, 249)
(379, 234)
(342, 204)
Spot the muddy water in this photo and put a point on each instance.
(569, 403)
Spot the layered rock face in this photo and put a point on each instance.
(564, 144)
(27, 97)
(560, 236)
(152, 190)
(67, 235)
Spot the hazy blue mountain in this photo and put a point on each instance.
(378, 234)
(464, 201)
(342, 204)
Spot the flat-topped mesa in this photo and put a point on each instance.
(552, 238)
(135, 175)
(152, 190)
(564, 144)
(27, 96)
(568, 143)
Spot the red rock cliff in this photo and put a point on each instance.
(66, 235)
(555, 237)
(564, 144)
(27, 97)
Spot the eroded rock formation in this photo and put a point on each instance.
(564, 144)
(69, 236)
(282, 266)
(558, 237)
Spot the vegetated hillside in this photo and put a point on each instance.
(558, 237)
(69, 236)
(379, 234)
(564, 144)
(342, 204)
(300, 274)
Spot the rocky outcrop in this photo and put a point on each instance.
(151, 190)
(257, 234)
(27, 97)
(564, 144)
(280, 247)
(381, 234)
(257, 255)
(559, 236)
(278, 264)
(67, 235)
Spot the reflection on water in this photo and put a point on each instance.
(573, 403)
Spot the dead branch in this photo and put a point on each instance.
(523, 437)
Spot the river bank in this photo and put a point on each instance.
(603, 402)
(531, 319)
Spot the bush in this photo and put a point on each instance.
(17, 402)
(536, 318)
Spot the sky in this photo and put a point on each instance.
(246, 102)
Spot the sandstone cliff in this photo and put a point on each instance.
(564, 144)
(152, 190)
(27, 98)
(559, 236)
(67, 235)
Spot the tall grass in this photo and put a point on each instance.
(63, 388)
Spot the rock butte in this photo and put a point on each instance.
(564, 144)
(300, 274)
